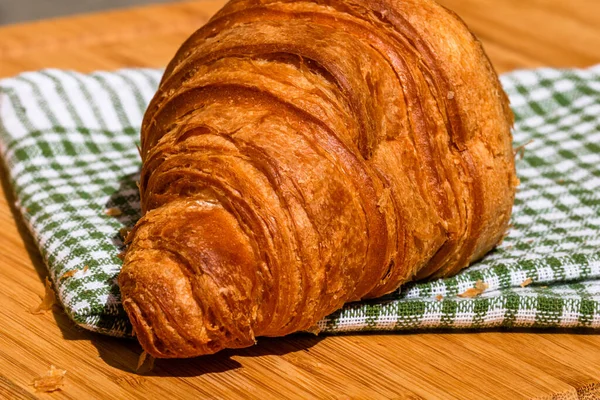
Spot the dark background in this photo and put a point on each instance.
(13, 11)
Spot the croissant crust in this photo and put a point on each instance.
(299, 155)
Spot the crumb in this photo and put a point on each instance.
(51, 381)
(68, 274)
(481, 285)
(520, 150)
(526, 282)
(71, 273)
(113, 212)
(124, 232)
(439, 297)
(544, 287)
(314, 330)
(141, 360)
(145, 359)
(470, 292)
(450, 95)
(479, 288)
(48, 300)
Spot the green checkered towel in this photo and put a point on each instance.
(69, 142)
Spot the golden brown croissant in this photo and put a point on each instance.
(299, 155)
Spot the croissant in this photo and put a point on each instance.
(299, 155)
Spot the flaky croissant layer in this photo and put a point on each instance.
(299, 155)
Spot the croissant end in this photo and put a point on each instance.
(187, 283)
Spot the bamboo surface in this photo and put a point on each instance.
(508, 365)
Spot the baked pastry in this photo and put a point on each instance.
(299, 155)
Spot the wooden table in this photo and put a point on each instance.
(516, 33)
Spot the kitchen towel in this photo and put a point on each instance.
(68, 141)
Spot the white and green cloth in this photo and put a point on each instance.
(69, 142)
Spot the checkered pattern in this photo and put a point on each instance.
(69, 142)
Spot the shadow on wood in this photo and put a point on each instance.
(124, 354)
(222, 361)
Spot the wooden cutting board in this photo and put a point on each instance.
(509, 365)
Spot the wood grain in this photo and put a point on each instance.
(506, 365)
